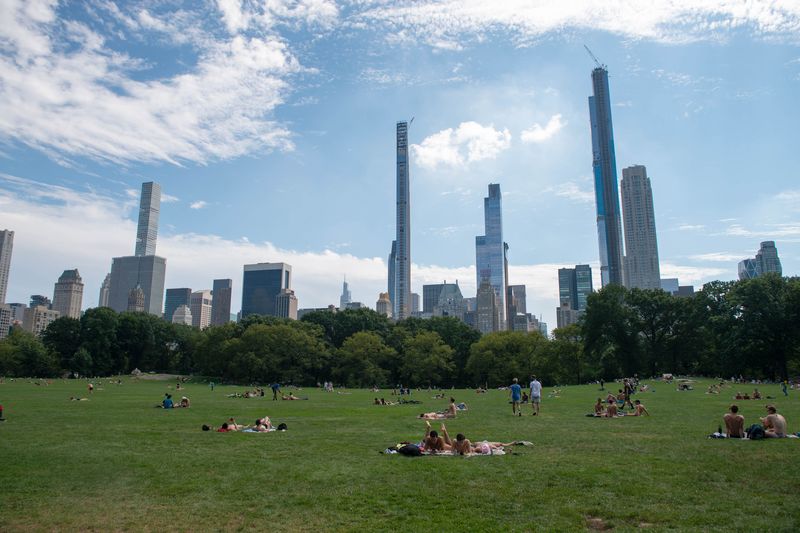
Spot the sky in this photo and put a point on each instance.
(270, 125)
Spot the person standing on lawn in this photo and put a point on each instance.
(536, 395)
(516, 396)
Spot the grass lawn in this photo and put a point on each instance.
(117, 463)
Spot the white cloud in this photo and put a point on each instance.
(769, 231)
(168, 198)
(691, 227)
(722, 257)
(670, 21)
(467, 143)
(200, 204)
(65, 91)
(538, 133)
(692, 275)
(572, 191)
(239, 15)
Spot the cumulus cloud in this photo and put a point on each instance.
(468, 143)
(539, 134)
(200, 204)
(572, 191)
(722, 257)
(669, 21)
(66, 91)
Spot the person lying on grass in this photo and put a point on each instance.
(450, 412)
(774, 424)
(462, 445)
(262, 425)
(639, 409)
(185, 403)
(291, 396)
(734, 423)
(433, 443)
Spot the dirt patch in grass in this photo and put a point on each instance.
(595, 523)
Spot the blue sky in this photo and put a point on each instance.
(270, 125)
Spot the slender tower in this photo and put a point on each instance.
(490, 253)
(147, 231)
(609, 224)
(641, 245)
(6, 246)
(403, 266)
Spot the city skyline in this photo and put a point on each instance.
(703, 109)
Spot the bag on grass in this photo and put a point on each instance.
(411, 450)
(282, 427)
(755, 432)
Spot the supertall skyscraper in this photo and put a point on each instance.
(403, 266)
(68, 294)
(392, 282)
(641, 246)
(490, 251)
(6, 245)
(147, 231)
(609, 224)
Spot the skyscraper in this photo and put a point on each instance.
(609, 225)
(384, 306)
(490, 251)
(174, 299)
(5, 320)
(6, 246)
(641, 246)
(574, 287)
(200, 306)
(765, 261)
(105, 288)
(68, 294)
(136, 300)
(517, 305)
(403, 265)
(144, 269)
(221, 301)
(487, 314)
(392, 282)
(147, 231)
(261, 284)
(286, 304)
(346, 297)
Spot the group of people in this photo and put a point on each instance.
(261, 425)
(434, 443)
(450, 412)
(774, 424)
(611, 408)
(168, 403)
(756, 395)
(535, 397)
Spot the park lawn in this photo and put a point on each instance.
(117, 463)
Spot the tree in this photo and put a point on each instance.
(359, 360)
(610, 333)
(427, 360)
(24, 355)
(63, 338)
(99, 338)
(341, 325)
(499, 357)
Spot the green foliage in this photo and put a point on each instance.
(361, 358)
(497, 358)
(427, 360)
(22, 354)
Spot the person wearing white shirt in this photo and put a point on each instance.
(536, 394)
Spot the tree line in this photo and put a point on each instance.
(727, 329)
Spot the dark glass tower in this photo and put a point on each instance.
(403, 262)
(609, 223)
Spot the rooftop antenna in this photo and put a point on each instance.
(597, 61)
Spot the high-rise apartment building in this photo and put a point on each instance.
(574, 288)
(487, 314)
(105, 289)
(609, 223)
(765, 261)
(68, 294)
(261, 284)
(5, 320)
(286, 304)
(490, 259)
(384, 305)
(200, 306)
(392, 282)
(147, 230)
(37, 318)
(221, 294)
(641, 245)
(174, 299)
(402, 294)
(144, 269)
(346, 297)
(6, 246)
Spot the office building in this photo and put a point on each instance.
(641, 268)
(136, 302)
(261, 284)
(487, 315)
(669, 285)
(346, 297)
(450, 301)
(174, 299)
(392, 281)
(105, 289)
(17, 313)
(221, 294)
(40, 300)
(402, 294)
(609, 223)
(766, 261)
(286, 304)
(147, 272)
(685, 291)
(517, 305)
(566, 316)
(520, 322)
(575, 286)
(68, 294)
(147, 230)
(144, 269)
(182, 315)
(200, 306)
(37, 318)
(6, 247)
(415, 300)
(384, 305)
(352, 306)
(5, 320)
(490, 262)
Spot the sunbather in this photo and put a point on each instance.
(639, 409)
(432, 442)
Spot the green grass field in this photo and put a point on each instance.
(117, 463)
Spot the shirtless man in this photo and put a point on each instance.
(598, 407)
(734, 423)
(774, 424)
(639, 409)
(433, 442)
(611, 410)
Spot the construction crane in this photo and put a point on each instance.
(597, 62)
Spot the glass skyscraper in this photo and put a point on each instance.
(174, 299)
(261, 285)
(641, 245)
(490, 250)
(392, 282)
(402, 292)
(6, 246)
(609, 225)
(147, 231)
(765, 261)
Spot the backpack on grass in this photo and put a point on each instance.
(755, 432)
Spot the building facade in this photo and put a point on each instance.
(5, 320)
(174, 299)
(147, 229)
(604, 165)
(346, 297)
(136, 300)
(402, 305)
(516, 303)
(68, 294)
(37, 318)
(487, 314)
(105, 289)
(6, 247)
(40, 300)
(261, 284)
(490, 258)
(182, 315)
(147, 272)
(641, 269)
(392, 281)
(286, 304)
(200, 306)
(221, 294)
(766, 261)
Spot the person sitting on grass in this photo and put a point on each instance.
(376, 402)
(167, 403)
(185, 403)
(450, 412)
(639, 409)
(611, 410)
(734, 423)
(756, 394)
(432, 442)
(262, 425)
(598, 408)
(774, 424)
(746, 396)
